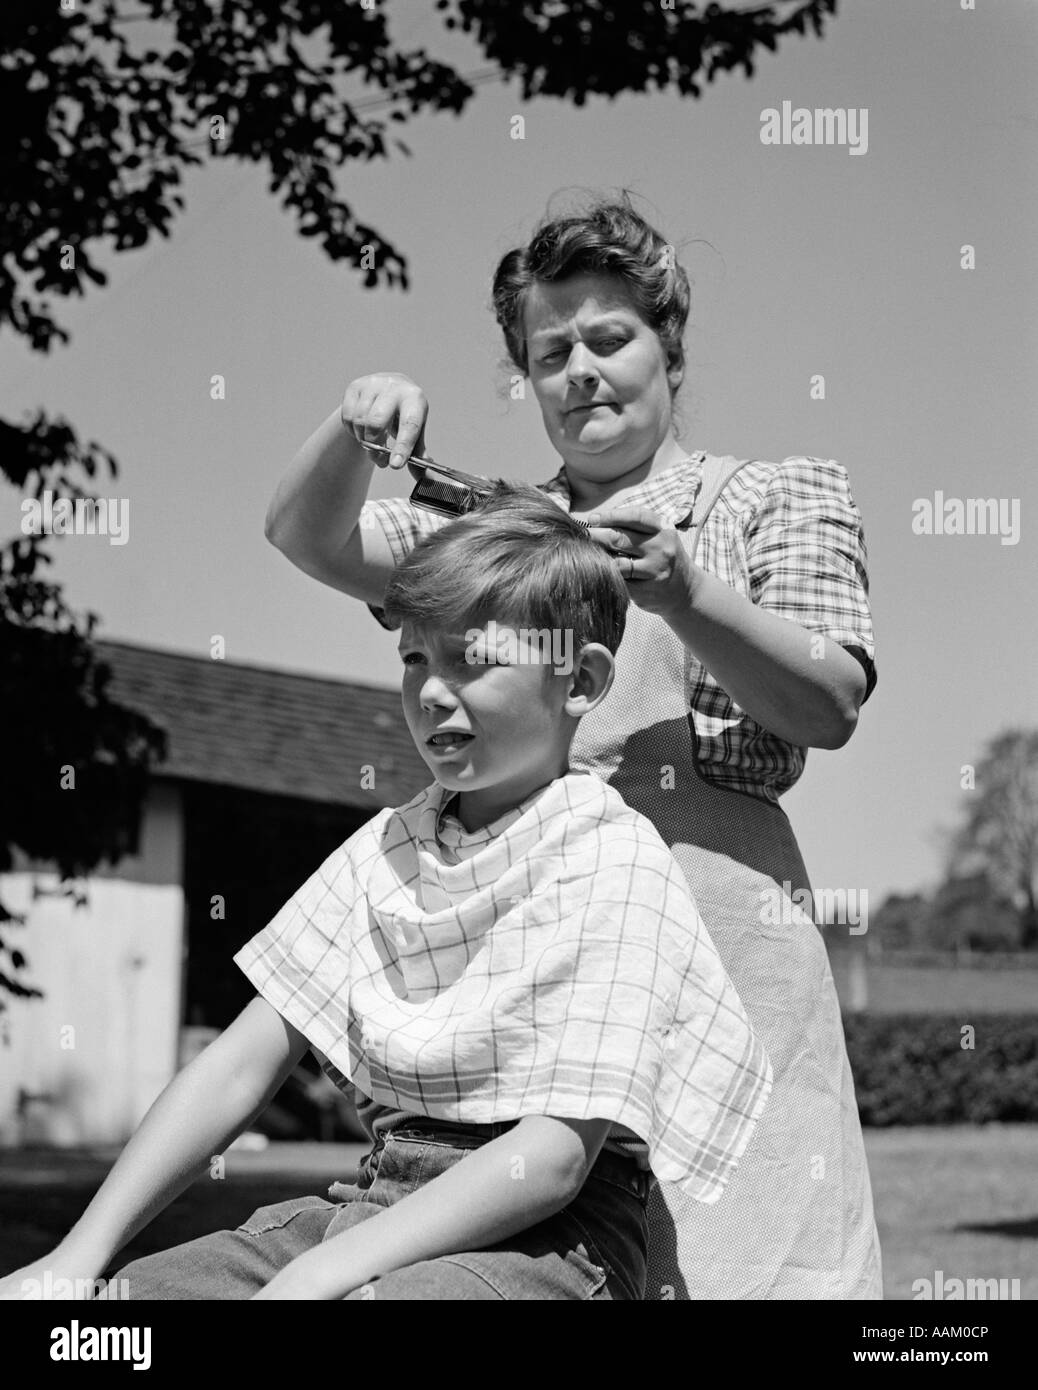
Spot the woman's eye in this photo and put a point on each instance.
(600, 345)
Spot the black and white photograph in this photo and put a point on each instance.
(520, 711)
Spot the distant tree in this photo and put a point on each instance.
(109, 104)
(998, 836)
(967, 913)
(899, 923)
(75, 762)
(108, 126)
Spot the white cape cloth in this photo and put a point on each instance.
(551, 963)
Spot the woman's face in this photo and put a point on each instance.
(599, 373)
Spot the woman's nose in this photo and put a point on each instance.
(581, 368)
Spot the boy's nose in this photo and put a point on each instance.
(436, 693)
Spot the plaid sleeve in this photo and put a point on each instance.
(403, 525)
(807, 557)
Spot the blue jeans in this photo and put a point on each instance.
(595, 1248)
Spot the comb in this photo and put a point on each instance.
(441, 489)
(446, 491)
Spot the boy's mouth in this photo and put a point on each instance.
(448, 738)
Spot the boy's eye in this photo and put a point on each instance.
(473, 661)
(452, 660)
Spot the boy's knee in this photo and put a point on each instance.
(430, 1281)
(130, 1282)
(200, 1269)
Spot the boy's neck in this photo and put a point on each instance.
(478, 809)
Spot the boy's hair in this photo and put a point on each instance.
(519, 559)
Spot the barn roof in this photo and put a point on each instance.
(267, 730)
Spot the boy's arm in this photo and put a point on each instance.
(505, 1186)
(204, 1108)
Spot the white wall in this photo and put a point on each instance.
(102, 1043)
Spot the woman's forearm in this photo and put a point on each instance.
(203, 1109)
(799, 685)
(317, 504)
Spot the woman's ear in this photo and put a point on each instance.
(675, 367)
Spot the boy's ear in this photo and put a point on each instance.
(589, 682)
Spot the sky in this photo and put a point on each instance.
(805, 259)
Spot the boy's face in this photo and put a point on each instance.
(487, 712)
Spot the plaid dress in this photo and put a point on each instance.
(796, 1221)
(551, 963)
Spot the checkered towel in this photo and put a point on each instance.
(551, 963)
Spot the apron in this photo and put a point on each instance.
(796, 1219)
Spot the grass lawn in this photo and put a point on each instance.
(43, 1192)
(959, 1199)
(955, 989)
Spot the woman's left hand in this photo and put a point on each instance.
(649, 555)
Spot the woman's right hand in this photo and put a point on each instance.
(387, 408)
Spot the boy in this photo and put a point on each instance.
(509, 970)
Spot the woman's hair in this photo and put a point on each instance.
(519, 559)
(609, 238)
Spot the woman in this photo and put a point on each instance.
(749, 640)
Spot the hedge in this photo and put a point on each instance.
(917, 1069)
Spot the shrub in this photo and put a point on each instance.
(913, 1069)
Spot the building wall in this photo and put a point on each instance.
(247, 852)
(83, 1064)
